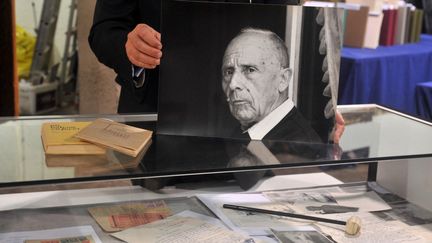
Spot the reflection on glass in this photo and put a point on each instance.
(372, 134)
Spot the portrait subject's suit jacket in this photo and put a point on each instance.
(113, 20)
(293, 127)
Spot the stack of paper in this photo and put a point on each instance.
(119, 217)
(182, 230)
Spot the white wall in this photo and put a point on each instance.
(25, 18)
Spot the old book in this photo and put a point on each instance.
(388, 27)
(413, 26)
(116, 136)
(373, 29)
(115, 162)
(354, 37)
(362, 28)
(356, 23)
(399, 37)
(393, 23)
(76, 160)
(58, 138)
(92, 165)
(111, 160)
(408, 25)
(419, 16)
(368, 35)
(375, 6)
(416, 28)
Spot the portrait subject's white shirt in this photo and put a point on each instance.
(259, 130)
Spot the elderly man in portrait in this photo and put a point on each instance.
(255, 80)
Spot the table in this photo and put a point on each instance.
(424, 100)
(387, 75)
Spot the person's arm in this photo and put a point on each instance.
(122, 43)
(339, 127)
(113, 20)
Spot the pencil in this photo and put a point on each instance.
(279, 213)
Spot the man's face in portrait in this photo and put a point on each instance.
(253, 77)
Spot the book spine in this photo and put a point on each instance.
(385, 28)
(355, 27)
(408, 26)
(399, 26)
(393, 23)
(419, 24)
(413, 26)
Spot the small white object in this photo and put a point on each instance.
(353, 225)
(37, 99)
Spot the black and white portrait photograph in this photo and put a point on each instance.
(236, 71)
(302, 197)
(300, 236)
(316, 201)
(410, 214)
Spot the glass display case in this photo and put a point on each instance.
(395, 148)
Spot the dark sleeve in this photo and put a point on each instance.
(113, 20)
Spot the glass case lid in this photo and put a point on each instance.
(372, 133)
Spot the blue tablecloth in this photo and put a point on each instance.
(424, 100)
(387, 75)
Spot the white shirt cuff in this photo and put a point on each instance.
(138, 76)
